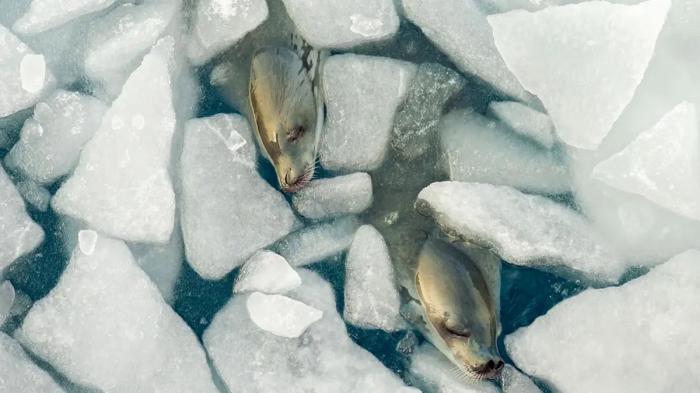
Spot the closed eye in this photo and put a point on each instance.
(458, 331)
(295, 133)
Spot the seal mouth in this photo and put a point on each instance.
(294, 185)
(489, 371)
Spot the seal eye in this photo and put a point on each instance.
(295, 133)
(457, 329)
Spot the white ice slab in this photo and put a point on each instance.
(353, 23)
(526, 230)
(328, 198)
(513, 381)
(51, 141)
(162, 263)
(266, 272)
(460, 30)
(640, 337)
(371, 297)
(19, 235)
(323, 359)
(362, 94)
(19, 374)
(219, 24)
(106, 325)
(525, 121)
(121, 186)
(584, 61)
(281, 315)
(228, 211)
(478, 149)
(318, 242)
(7, 298)
(432, 372)
(44, 15)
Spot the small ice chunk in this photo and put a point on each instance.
(416, 121)
(19, 374)
(162, 262)
(371, 298)
(460, 30)
(121, 186)
(7, 298)
(661, 164)
(281, 315)
(219, 24)
(322, 360)
(87, 239)
(20, 72)
(640, 337)
(338, 196)
(318, 242)
(513, 381)
(47, 14)
(584, 61)
(478, 149)
(354, 23)
(525, 121)
(526, 230)
(267, 272)
(105, 325)
(228, 211)
(19, 235)
(35, 195)
(362, 94)
(51, 141)
(432, 372)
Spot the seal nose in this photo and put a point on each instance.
(491, 367)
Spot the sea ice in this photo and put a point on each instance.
(526, 230)
(371, 298)
(432, 372)
(513, 381)
(24, 77)
(323, 359)
(338, 196)
(460, 30)
(51, 141)
(266, 272)
(221, 23)
(162, 262)
(228, 211)
(416, 121)
(362, 94)
(35, 195)
(478, 149)
(640, 337)
(19, 235)
(281, 315)
(584, 61)
(525, 121)
(19, 374)
(354, 23)
(7, 298)
(318, 242)
(106, 325)
(121, 186)
(46, 14)
(662, 164)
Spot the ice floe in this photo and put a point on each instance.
(266, 272)
(318, 242)
(525, 121)
(338, 196)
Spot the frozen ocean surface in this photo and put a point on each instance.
(146, 245)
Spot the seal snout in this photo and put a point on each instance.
(490, 369)
(294, 182)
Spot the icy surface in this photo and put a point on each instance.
(106, 325)
(18, 233)
(323, 359)
(371, 297)
(662, 164)
(525, 121)
(647, 326)
(460, 30)
(478, 149)
(52, 139)
(228, 211)
(20, 72)
(513, 381)
(432, 372)
(318, 242)
(162, 263)
(362, 94)
(341, 195)
(280, 315)
(7, 298)
(121, 186)
(267, 272)
(221, 23)
(87, 241)
(47, 14)
(583, 61)
(353, 23)
(19, 374)
(526, 230)
(34, 194)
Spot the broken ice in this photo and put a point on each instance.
(525, 121)
(338, 196)
(46, 14)
(318, 242)
(281, 315)
(266, 272)
(19, 374)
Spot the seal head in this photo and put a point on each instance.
(460, 316)
(285, 114)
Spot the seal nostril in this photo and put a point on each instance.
(490, 365)
(499, 365)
